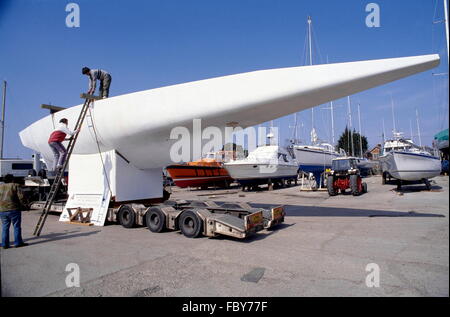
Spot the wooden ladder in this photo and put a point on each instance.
(60, 172)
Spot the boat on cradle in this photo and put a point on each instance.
(365, 165)
(315, 159)
(204, 173)
(405, 161)
(269, 164)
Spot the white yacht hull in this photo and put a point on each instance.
(248, 172)
(313, 161)
(140, 125)
(410, 166)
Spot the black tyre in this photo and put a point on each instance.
(383, 178)
(330, 187)
(126, 216)
(364, 187)
(190, 224)
(32, 172)
(155, 220)
(354, 185)
(399, 184)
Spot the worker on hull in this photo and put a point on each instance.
(101, 75)
(55, 142)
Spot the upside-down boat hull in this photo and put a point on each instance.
(139, 125)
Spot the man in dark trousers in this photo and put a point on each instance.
(11, 203)
(101, 75)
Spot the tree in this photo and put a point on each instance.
(345, 143)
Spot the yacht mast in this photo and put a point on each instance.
(446, 25)
(360, 133)
(411, 130)
(332, 123)
(351, 125)
(384, 133)
(418, 128)
(310, 62)
(3, 119)
(294, 139)
(393, 116)
(296, 128)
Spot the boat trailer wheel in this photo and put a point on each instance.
(155, 219)
(190, 224)
(126, 216)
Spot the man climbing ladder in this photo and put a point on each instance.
(55, 142)
(60, 171)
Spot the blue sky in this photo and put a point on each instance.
(149, 44)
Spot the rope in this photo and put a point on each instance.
(99, 151)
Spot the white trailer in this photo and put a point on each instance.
(17, 167)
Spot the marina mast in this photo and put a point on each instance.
(3, 119)
(360, 133)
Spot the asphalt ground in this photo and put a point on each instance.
(323, 249)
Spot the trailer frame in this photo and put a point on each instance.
(194, 218)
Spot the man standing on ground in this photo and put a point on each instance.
(55, 142)
(98, 74)
(11, 203)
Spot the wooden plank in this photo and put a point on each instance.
(92, 97)
(52, 108)
(80, 223)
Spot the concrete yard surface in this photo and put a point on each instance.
(322, 249)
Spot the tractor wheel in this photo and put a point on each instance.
(330, 186)
(354, 185)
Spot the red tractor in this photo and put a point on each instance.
(345, 174)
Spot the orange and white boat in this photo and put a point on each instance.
(206, 172)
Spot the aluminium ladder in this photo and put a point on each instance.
(60, 172)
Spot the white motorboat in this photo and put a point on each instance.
(270, 163)
(315, 158)
(405, 161)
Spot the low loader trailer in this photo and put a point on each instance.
(192, 218)
(107, 187)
